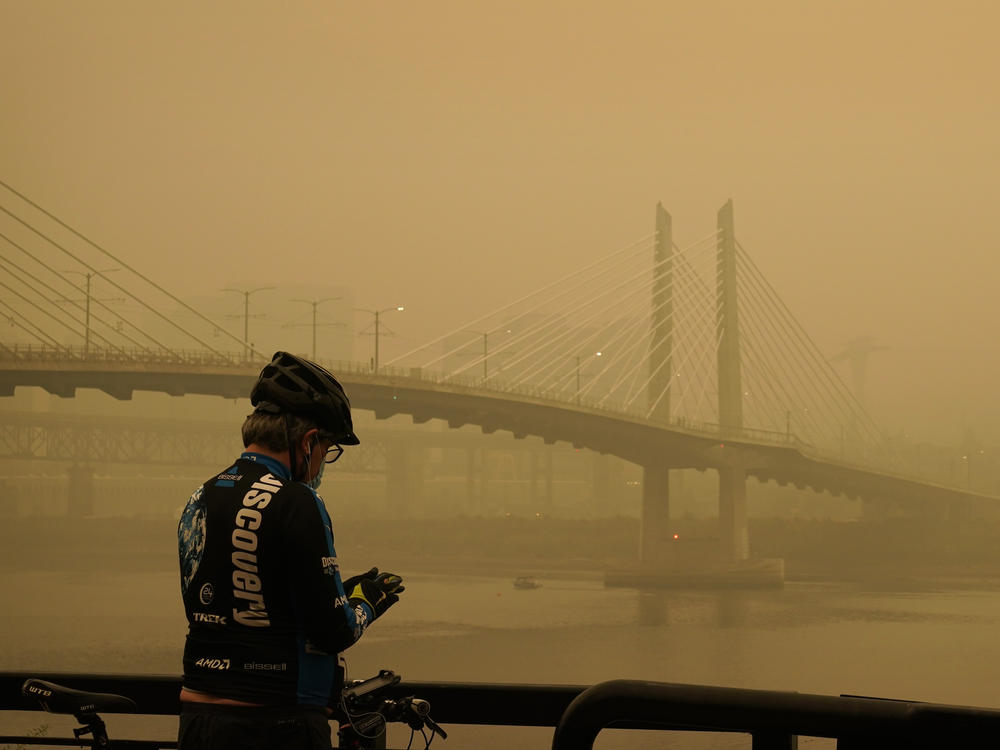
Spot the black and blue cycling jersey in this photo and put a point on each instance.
(266, 607)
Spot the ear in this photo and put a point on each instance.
(308, 440)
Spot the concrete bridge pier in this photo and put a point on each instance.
(606, 477)
(655, 536)
(80, 491)
(540, 472)
(734, 533)
(404, 477)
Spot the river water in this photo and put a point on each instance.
(932, 645)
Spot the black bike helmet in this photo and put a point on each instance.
(298, 386)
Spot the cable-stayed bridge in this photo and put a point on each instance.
(665, 356)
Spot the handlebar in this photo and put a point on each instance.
(366, 711)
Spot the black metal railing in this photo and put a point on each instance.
(773, 719)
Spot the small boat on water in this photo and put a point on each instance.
(526, 582)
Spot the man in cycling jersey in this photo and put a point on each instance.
(267, 610)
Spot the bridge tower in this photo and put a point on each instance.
(655, 518)
(732, 477)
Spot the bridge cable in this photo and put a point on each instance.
(629, 370)
(696, 354)
(709, 345)
(792, 375)
(818, 401)
(825, 371)
(536, 332)
(554, 338)
(512, 323)
(558, 336)
(530, 333)
(758, 361)
(42, 310)
(522, 299)
(72, 302)
(51, 340)
(639, 387)
(680, 310)
(524, 334)
(94, 300)
(551, 323)
(124, 265)
(655, 402)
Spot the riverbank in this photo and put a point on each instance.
(901, 553)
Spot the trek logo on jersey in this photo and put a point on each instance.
(246, 583)
(209, 618)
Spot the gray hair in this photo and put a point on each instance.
(271, 431)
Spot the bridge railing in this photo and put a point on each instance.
(773, 719)
(137, 355)
(28, 353)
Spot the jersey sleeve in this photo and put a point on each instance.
(328, 620)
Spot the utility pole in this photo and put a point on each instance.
(246, 313)
(378, 316)
(87, 275)
(486, 351)
(316, 303)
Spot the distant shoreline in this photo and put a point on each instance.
(904, 556)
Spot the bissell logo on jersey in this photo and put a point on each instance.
(246, 583)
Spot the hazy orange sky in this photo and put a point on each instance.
(452, 156)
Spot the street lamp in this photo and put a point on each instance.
(246, 313)
(378, 315)
(578, 358)
(315, 303)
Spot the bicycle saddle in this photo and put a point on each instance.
(58, 699)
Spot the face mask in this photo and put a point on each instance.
(314, 483)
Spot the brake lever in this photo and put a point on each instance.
(422, 711)
(435, 727)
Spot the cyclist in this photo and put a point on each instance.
(267, 610)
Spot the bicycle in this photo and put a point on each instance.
(84, 705)
(363, 714)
